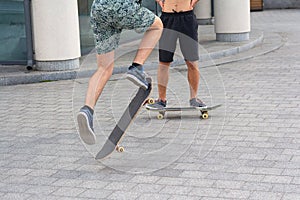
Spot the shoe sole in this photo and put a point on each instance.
(85, 132)
(153, 108)
(136, 81)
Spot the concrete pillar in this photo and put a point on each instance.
(56, 34)
(203, 12)
(232, 20)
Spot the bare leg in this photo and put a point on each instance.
(193, 77)
(99, 79)
(163, 79)
(149, 41)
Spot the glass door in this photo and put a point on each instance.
(13, 48)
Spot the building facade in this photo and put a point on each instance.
(16, 28)
(14, 39)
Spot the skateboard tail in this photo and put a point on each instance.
(111, 144)
(107, 148)
(211, 107)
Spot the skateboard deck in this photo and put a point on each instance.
(204, 111)
(118, 132)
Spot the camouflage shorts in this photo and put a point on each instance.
(110, 17)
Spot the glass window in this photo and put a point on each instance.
(12, 31)
(86, 33)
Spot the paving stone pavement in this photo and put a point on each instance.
(247, 149)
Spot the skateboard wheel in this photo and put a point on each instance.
(160, 116)
(205, 115)
(120, 149)
(151, 101)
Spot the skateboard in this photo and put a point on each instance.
(204, 111)
(112, 143)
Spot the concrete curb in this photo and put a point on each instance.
(223, 61)
(39, 76)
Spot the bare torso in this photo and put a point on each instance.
(177, 5)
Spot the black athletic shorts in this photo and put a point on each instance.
(182, 26)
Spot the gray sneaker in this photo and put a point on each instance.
(138, 77)
(195, 102)
(85, 124)
(159, 104)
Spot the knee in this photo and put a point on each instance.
(157, 24)
(164, 66)
(192, 65)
